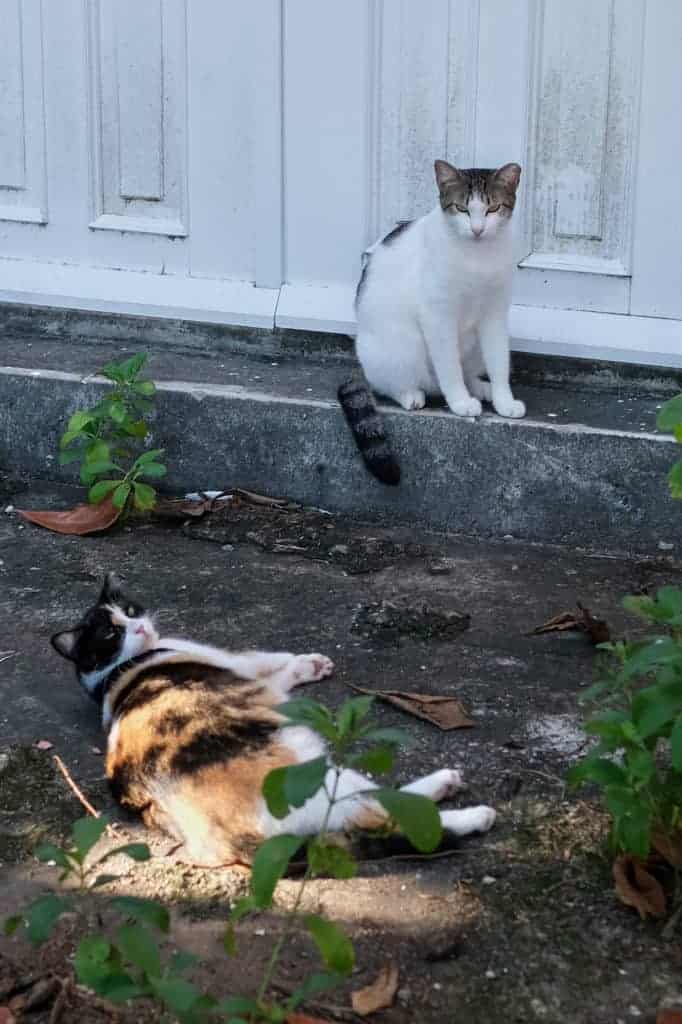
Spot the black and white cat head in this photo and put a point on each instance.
(478, 202)
(114, 630)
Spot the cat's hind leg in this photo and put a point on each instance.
(299, 669)
(395, 364)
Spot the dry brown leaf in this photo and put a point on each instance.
(259, 499)
(379, 995)
(445, 712)
(669, 847)
(191, 508)
(597, 629)
(635, 887)
(79, 520)
(669, 1016)
(6, 1016)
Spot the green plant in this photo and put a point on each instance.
(638, 708)
(670, 420)
(129, 962)
(106, 438)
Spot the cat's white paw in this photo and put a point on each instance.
(510, 408)
(310, 668)
(481, 389)
(468, 406)
(482, 818)
(448, 781)
(412, 399)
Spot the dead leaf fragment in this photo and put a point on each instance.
(80, 520)
(583, 620)
(379, 995)
(635, 887)
(43, 745)
(669, 1016)
(669, 847)
(445, 712)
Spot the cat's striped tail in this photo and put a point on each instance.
(367, 426)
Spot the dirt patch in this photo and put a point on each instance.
(308, 533)
(389, 622)
(34, 805)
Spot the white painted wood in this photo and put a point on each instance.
(141, 294)
(583, 113)
(23, 194)
(268, 141)
(317, 308)
(138, 115)
(326, 54)
(657, 271)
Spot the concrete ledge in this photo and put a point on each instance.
(585, 484)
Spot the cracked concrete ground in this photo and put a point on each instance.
(520, 925)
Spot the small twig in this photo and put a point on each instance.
(338, 1012)
(111, 829)
(5, 655)
(61, 1001)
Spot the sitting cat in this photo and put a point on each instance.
(193, 731)
(432, 307)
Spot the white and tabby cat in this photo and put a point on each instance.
(193, 731)
(432, 307)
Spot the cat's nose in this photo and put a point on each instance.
(141, 631)
(477, 231)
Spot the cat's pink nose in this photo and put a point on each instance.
(141, 631)
(477, 231)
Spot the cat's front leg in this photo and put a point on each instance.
(494, 341)
(443, 347)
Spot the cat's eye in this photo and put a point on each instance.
(493, 209)
(462, 209)
(130, 611)
(110, 635)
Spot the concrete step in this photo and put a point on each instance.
(584, 468)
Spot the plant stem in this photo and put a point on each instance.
(269, 971)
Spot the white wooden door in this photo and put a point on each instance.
(228, 160)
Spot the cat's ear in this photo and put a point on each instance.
(65, 642)
(111, 588)
(446, 174)
(508, 176)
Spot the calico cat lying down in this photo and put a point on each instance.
(193, 731)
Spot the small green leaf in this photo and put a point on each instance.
(137, 945)
(66, 458)
(675, 480)
(269, 864)
(274, 793)
(179, 995)
(96, 468)
(145, 497)
(149, 456)
(327, 858)
(335, 948)
(378, 760)
(103, 880)
(144, 387)
(245, 905)
(118, 987)
(86, 832)
(238, 1004)
(304, 711)
(148, 911)
(299, 781)
(230, 940)
(605, 772)
(313, 985)
(416, 815)
(136, 851)
(154, 470)
(656, 707)
(676, 745)
(112, 371)
(392, 737)
(117, 411)
(120, 495)
(131, 367)
(42, 916)
(352, 713)
(79, 420)
(670, 414)
(136, 428)
(49, 852)
(99, 491)
(11, 924)
(641, 765)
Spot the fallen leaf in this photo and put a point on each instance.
(583, 620)
(192, 506)
(6, 1016)
(669, 1016)
(259, 499)
(300, 1018)
(445, 712)
(635, 887)
(79, 520)
(379, 995)
(43, 745)
(669, 847)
